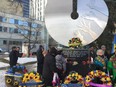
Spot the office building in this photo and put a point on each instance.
(37, 8)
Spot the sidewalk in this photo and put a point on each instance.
(25, 60)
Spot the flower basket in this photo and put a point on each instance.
(98, 78)
(31, 79)
(73, 80)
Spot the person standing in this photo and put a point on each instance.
(101, 61)
(92, 52)
(49, 67)
(103, 47)
(12, 57)
(60, 64)
(112, 66)
(17, 55)
(40, 59)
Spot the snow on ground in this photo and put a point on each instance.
(3, 64)
(25, 60)
(2, 79)
(31, 67)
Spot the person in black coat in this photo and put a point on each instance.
(49, 67)
(40, 59)
(17, 55)
(13, 57)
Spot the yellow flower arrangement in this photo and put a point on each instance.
(97, 73)
(75, 42)
(31, 76)
(73, 77)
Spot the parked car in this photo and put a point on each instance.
(1, 50)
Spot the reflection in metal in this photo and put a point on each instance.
(92, 20)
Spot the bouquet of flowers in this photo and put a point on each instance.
(31, 76)
(75, 42)
(74, 77)
(103, 78)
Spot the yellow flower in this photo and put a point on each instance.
(69, 75)
(66, 82)
(73, 75)
(15, 83)
(108, 79)
(109, 83)
(103, 79)
(37, 74)
(26, 74)
(88, 79)
(36, 77)
(103, 73)
(92, 72)
(38, 81)
(79, 76)
(31, 75)
(76, 74)
(24, 80)
(8, 80)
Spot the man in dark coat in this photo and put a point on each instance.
(40, 59)
(13, 57)
(17, 55)
(103, 47)
(49, 67)
(92, 52)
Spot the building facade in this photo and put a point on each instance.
(26, 8)
(14, 31)
(37, 8)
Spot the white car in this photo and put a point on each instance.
(1, 50)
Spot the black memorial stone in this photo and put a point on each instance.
(81, 57)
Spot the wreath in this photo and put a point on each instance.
(36, 77)
(97, 74)
(73, 77)
(75, 42)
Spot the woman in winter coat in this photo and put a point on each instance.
(101, 61)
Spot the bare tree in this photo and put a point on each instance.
(31, 38)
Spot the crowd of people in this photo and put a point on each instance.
(104, 61)
(50, 63)
(53, 61)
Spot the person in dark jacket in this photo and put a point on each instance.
(17, 55)
(40, 59)
(49, 67)
(92, 52)
(103, 47)
(12, 57)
